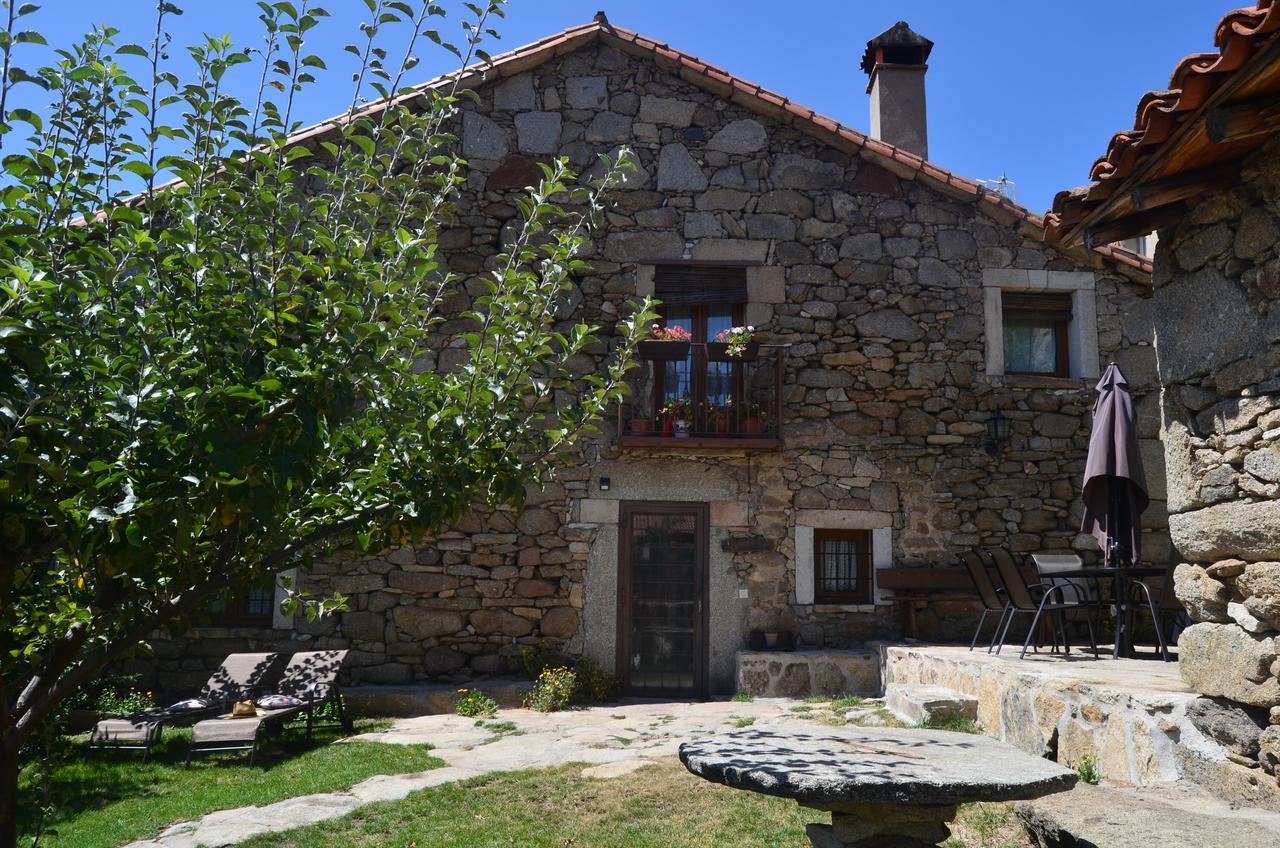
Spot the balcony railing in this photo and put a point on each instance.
(706, 400)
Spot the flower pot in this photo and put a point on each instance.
(719, 352)
(771, 639)
(668, 425)
(682, 428)
(663, 351)
(751, 426)
(641, 426)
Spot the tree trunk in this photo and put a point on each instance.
(9, 799)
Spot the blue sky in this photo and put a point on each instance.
(1034, 90)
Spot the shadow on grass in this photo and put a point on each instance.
(113, 797)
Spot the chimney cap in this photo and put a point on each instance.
(901, 41)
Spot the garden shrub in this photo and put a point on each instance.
(553, 690)
(113, 694)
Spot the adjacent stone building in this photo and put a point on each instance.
(1203, 167)
(881, 426)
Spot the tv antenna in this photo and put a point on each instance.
(1003, 186)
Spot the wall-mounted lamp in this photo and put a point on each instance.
(997, 433)
(604, 484)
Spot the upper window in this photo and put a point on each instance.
(842, 566)
(1036, 329)
(704, 301)
(249, 606)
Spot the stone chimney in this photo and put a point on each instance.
(895, 62)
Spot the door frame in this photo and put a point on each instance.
(702, 581)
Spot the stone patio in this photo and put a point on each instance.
(1135, 720)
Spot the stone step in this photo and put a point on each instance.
(1106, 817)
(430, 698)
(924, 704)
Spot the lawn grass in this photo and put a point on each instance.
(659, 807)
(656, 807)
(113, 799)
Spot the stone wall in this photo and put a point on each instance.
(875, 282)
(1217, 281)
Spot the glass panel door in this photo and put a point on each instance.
(661, 606)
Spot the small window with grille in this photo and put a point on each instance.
(842, 566)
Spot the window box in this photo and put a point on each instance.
(663, 351)
(742, 411)
(719, 352)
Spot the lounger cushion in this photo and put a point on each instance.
(226, 728)
(123, 730)
(275, 702)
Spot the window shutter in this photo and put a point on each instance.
(1056, 307)
(699, 284)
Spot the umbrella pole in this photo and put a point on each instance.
(1118, 557)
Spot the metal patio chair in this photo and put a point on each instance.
(1037, 598)
(992, 597)
(1162, 604)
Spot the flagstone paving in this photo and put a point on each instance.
(612, 740)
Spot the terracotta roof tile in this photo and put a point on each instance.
(1239, 36)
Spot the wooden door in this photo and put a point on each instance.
(662, 598)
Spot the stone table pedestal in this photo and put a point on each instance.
(884, 826)
(884, 788)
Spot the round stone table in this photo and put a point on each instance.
(884, 788)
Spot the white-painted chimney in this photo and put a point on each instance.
(895, 62)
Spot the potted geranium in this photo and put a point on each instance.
(734, 345)
(668, 344)
(679, 412)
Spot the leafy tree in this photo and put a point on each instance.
(208, 380)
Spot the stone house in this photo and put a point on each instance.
(922, 386)
(1202, 167)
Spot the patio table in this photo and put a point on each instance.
(882, 786)
(1121, 578)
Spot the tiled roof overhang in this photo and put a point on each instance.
(1183, 141)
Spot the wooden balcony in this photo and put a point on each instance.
(732, 404)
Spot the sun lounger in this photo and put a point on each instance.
(240, 675)
(311, 677)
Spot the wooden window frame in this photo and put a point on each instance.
(1054, 309)
(863, 567)
(699, 314)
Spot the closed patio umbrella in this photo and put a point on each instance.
(1115, 487)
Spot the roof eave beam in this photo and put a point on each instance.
(1243, 121)
(1134, 225)
(1158, 193)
